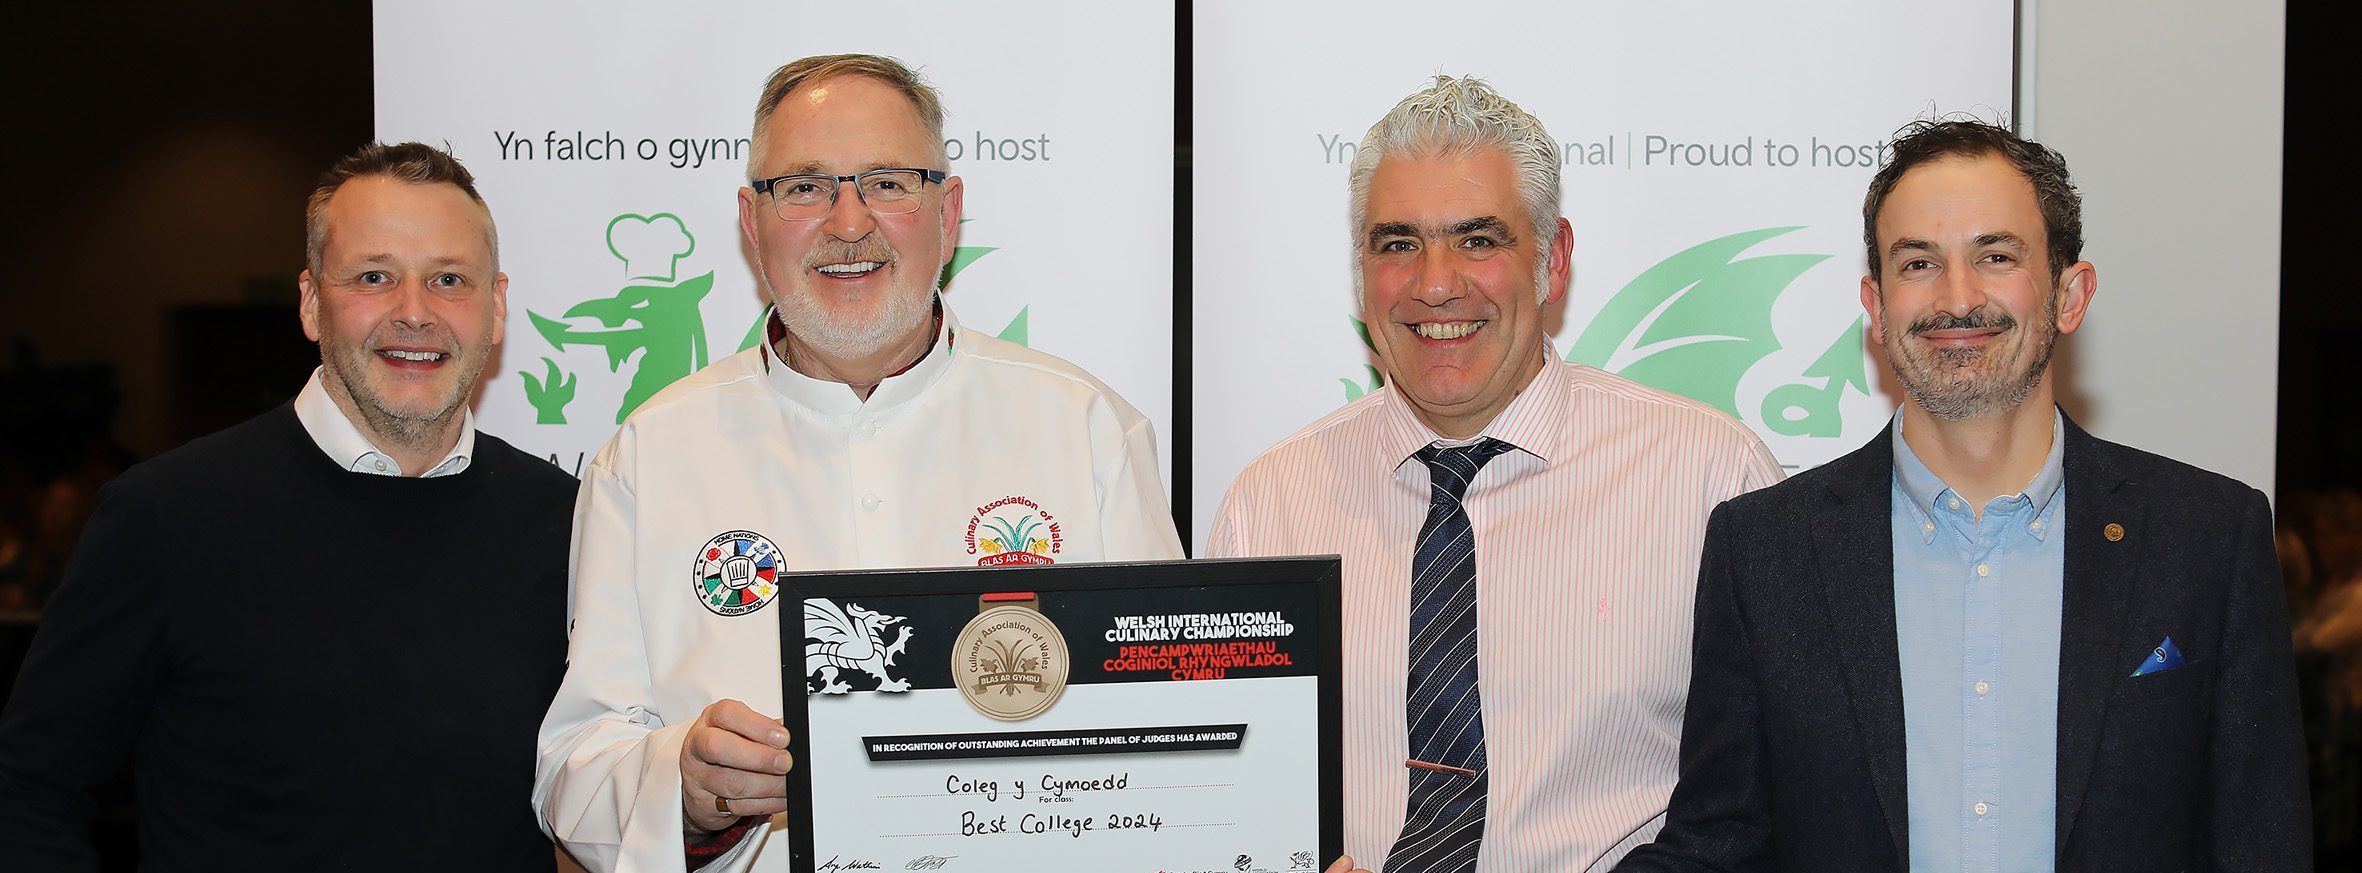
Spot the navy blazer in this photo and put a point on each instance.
(1792, 752)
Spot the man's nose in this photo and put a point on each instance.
(849, 217)
(413, 302)
(1959, 292)
(1438, 280)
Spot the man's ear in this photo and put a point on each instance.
(1870, 309)
(2077, 285)
(1562, 260)
(499, 307)
(954, 203)
(749, 212)
(307, 304)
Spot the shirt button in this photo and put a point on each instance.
(1980, 807)
(871, 502)
(1927, 528)
(2035, 526)
(1983, 570)
(1982, 688)
(381, 466)
(1954, 503)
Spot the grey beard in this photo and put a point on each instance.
(1963, 399)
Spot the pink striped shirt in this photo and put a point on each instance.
(1587, 543)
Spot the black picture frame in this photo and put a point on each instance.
(1321, 574)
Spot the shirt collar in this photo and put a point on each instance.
(1525, 424)
(834, 398)
(1926, 490)
(351, 450)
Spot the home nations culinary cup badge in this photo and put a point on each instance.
(736, 572)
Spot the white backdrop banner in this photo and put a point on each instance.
(1715, 155)
(610, 138)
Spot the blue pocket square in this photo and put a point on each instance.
(2164, 657)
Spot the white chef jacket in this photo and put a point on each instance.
(980, 427)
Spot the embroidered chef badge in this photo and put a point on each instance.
(1014, 531)
(736, 573)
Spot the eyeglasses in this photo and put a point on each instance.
(806, 196)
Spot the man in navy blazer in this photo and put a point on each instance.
(1987, 640)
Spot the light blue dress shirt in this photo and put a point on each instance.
(1977, 620)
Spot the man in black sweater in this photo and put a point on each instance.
(324, 638)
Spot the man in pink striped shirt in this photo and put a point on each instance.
(1586, 506)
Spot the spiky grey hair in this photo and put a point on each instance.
(1456, 116)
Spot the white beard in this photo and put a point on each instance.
(841, 335)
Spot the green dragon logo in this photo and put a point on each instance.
(1694, 323)
(655, 316)
(1799, 409)
(659, 320)
(1697, 322)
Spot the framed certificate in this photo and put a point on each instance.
(1171, 716)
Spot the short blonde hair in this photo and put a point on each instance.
(413, 162)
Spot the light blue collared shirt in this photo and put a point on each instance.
(1977, 606)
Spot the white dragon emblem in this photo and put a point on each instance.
(850, 638)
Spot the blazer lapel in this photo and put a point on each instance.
(2098, 580)
(1855, 546)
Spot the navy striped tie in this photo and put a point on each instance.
(1445, 819)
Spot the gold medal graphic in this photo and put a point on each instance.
(1010, 662)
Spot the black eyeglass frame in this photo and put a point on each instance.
(837, 183)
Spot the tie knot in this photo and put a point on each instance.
(1451, 468)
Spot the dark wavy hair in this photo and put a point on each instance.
(1927, 140)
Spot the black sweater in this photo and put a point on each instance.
(309, 669)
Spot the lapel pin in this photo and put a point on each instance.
(2114, 532)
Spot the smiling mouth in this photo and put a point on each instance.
(1945, 327)
(1446, 330)
(410, 356)
(853, 270)
(1954, 336)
